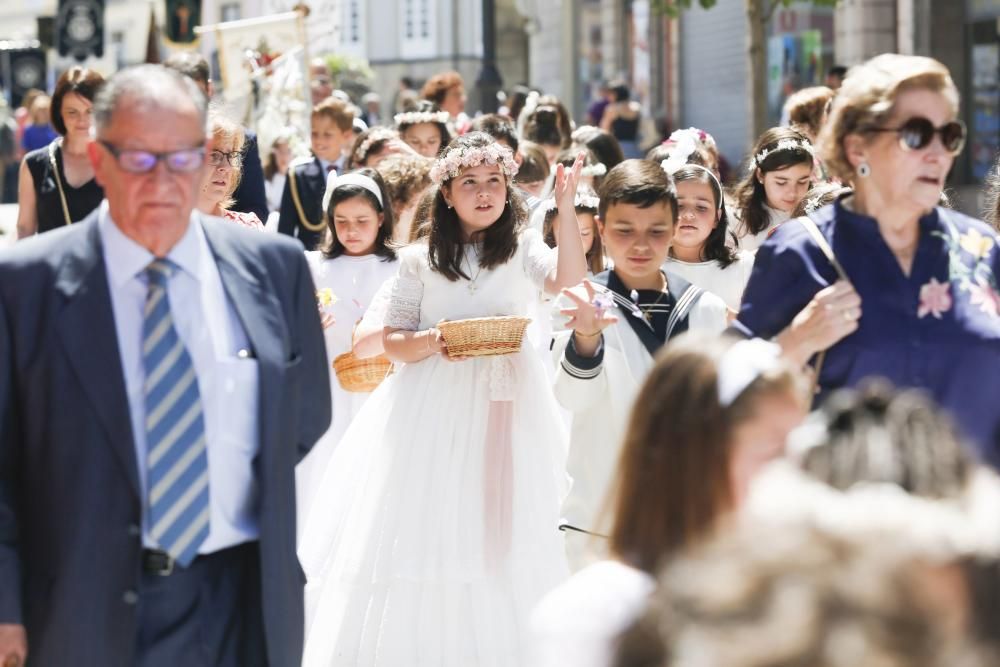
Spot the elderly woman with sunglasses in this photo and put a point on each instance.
(222, 171)
(883, 282)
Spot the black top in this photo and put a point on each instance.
(625, 129)
(80, 201)
(310, 180)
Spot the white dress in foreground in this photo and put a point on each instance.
(439, 533)
(354, 282)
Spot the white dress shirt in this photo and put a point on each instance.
(213, 334)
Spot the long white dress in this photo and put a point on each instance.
(354, 282)
(441, 502)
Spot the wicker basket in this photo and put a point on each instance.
(484, 336)
(361, 375)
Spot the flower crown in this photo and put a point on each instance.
(596, 169)
(784, 145)
(417, 117)
(582, 200)
(456, 159)
(694, 134)
(377, 135)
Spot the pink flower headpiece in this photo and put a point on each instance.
(449, 165)
(378, 134)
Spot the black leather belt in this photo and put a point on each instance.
(157, 561)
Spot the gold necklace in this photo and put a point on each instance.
(646, 311)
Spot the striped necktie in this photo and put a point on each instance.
(177, 460)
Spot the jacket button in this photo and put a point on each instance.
(134, 530)
(130, 597)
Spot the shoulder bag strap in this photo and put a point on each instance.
(59, 184)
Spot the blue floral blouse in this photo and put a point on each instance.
(936, 329)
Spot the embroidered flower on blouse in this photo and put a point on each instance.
(935, 299)
(325, 297)
(976, 244)
(982, 294)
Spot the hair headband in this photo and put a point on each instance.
(458, 158)
(417, 117)
(596, 169)
(333, 181)
(783, 145)
(582, 200)
(743, 363)
(674, 164)
(700, 136)
(376, 135)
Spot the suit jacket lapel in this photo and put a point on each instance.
(86, 328)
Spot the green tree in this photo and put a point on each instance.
(759, 14)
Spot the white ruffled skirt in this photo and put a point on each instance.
(434, 529)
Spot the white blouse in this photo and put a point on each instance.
(727, 283)
(750, 242)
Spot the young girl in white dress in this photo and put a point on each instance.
(348, 271)
(699, 252)
(780, 175)
(441, 502)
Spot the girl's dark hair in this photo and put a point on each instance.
(383, 136)
(661, 152)
(621, 91)
(428, 107)
(534, 164)
(750, 196)
(271, 161)
(499, 127)
(549, 123)
(446, 251)
(595, 257)
(715, 248)
(637, 182)
(515, 101)
(819, 196)
(383, 239)
(567, 157)
(602, 144)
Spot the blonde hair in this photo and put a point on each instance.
(806, 108)
(867, 98)
(225, 131)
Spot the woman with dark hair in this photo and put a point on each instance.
(699, 252)
(621, 118)
(711, 412)
(56, 185)
(884, 280)
(354, 261)
(424, 130)
(439, 504)
(779, 175)
(547, 123)
(602, 144)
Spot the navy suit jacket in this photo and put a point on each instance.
(310, 177)
(70, 541)
(250, 195)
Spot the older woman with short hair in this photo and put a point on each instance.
(222, 171)
(883, 280)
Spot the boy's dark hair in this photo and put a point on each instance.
(383, 240)
(637, 182)
(499, 127)
(446, 249)
(715, 249)
(534, 164)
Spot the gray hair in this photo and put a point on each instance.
(149, 87)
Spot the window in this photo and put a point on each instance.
(118, 48)
(354, 24)
(418, 35)
(230, 11)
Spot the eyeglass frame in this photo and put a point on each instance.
(159, 157)
(938, 131)
(235, 158)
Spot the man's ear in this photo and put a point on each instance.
(97, 159)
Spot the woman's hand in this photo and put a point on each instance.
(831, 316)
(589, 317)
(566, 183)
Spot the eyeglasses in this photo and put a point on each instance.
(142, 162)
(917, 133)
(219, 159)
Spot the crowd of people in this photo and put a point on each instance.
(497, 390)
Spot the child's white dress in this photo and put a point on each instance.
(441, 503)
(354, 282)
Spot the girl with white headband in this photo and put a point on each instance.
(353, 262)
(778, 177)
(440, 503)
(710, 413)
(699, 252)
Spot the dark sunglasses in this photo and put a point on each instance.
(141, 162)
(917, 133)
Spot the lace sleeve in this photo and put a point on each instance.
(403, 311)
(539, 259)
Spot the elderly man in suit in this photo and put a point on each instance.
(160, 377)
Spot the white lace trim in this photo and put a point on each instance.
(404, 306)
(502, 379)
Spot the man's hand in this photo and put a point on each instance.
(13, 645)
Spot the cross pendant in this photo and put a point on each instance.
(472, 288)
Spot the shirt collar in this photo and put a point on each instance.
(125, 259)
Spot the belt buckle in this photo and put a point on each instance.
(163, 565)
